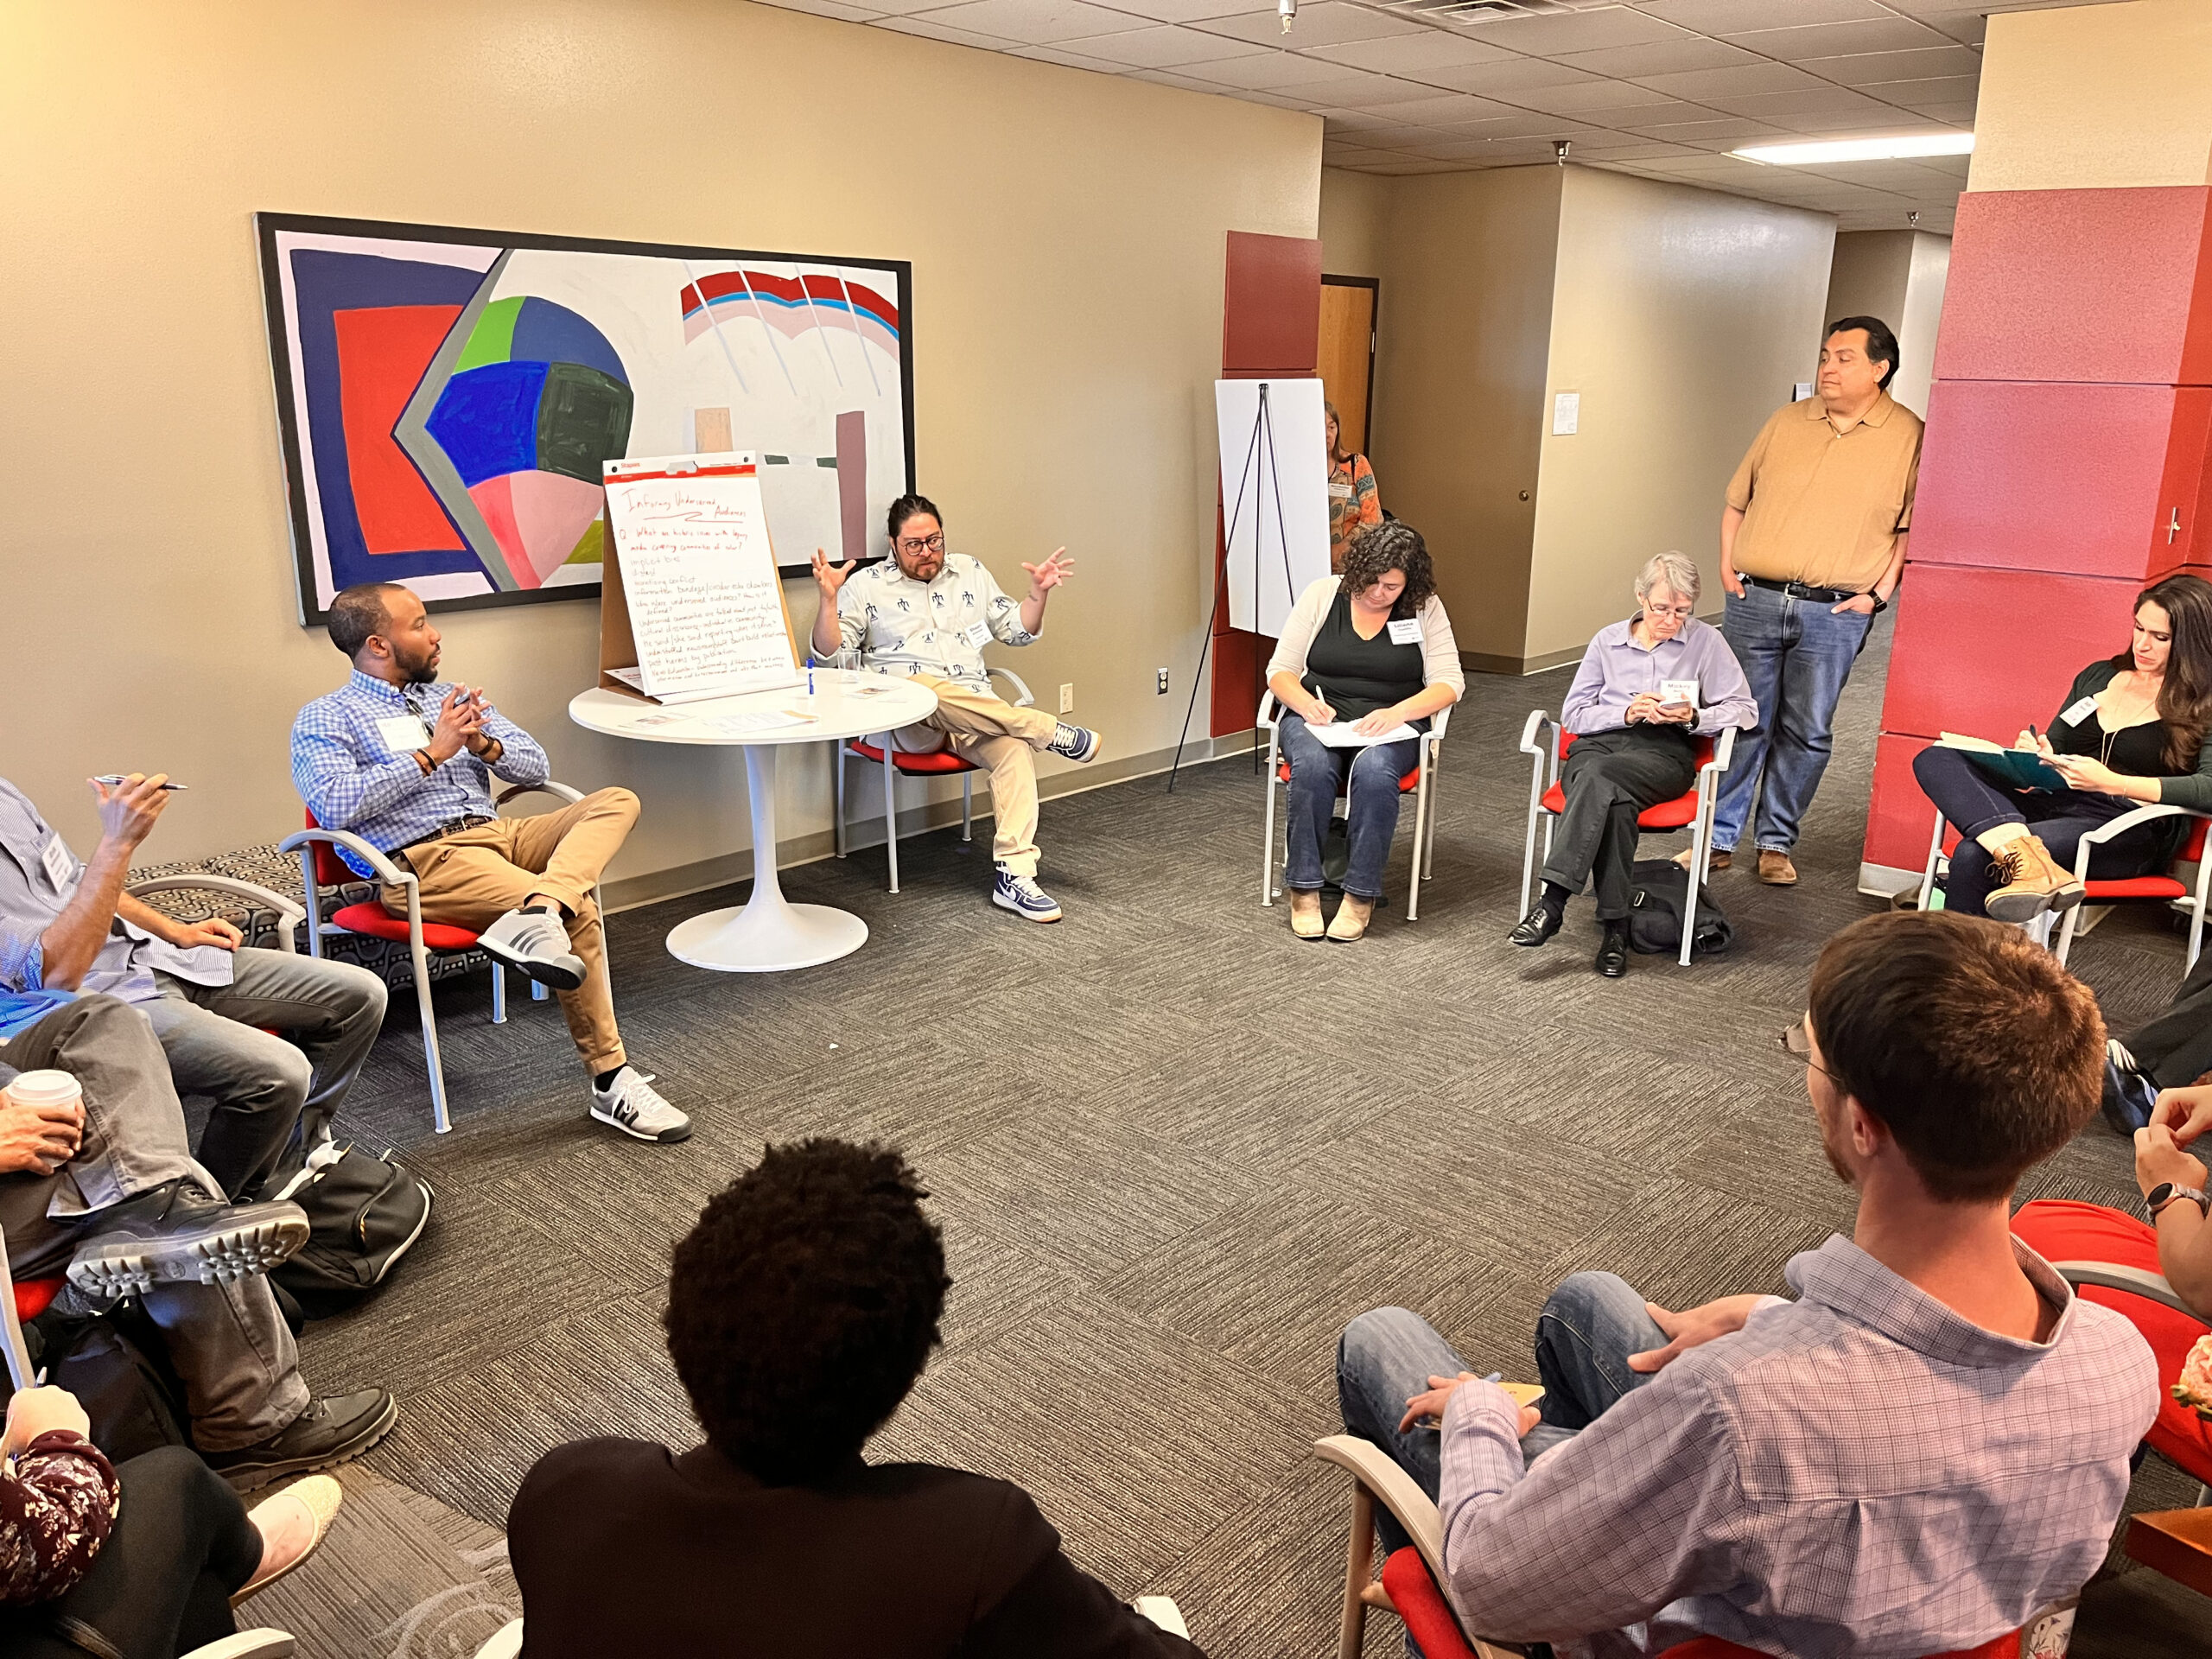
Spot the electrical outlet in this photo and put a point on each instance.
(1067, 699)
(1163, 682)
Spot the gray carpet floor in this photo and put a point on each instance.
(1174, 1150)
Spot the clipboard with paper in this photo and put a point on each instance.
(2014, 768)
(691, 606)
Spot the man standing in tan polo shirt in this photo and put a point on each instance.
(1812, 543)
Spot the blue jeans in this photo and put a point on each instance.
(1315, 772)
(1589, 1327)
(1973, 805)
(1796, 654)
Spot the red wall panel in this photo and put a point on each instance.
(1271, 310)
(1900, 817)
(1984, 651)
(2042, 475)
(2109, 286)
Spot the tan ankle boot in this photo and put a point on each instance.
(2034, 881)
(1350, 920)
(1305, 914)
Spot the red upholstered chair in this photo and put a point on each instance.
(934, 763)
(1692, 810)
(321, 868)
(1417, 783)
(1409, 1587)
(2166, 889)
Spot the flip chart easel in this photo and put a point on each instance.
(691, 603)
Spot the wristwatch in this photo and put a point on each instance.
(2167, 1192)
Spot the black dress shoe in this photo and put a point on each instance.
(1613, 953)
(1538, 926)
(176, 1234)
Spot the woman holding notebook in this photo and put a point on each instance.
(1362, 665)
(2130, 733)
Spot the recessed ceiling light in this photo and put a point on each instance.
(1860, 149)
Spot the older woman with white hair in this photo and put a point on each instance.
(1644, 687)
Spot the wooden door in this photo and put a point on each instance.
(1346, 357)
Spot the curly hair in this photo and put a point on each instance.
(803, 1305)
(1381, 549)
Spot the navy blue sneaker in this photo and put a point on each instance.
(1021, 895)
(2127, 1099)
(1077, 743)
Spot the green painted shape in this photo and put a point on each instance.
(492, 340)
(591, 546)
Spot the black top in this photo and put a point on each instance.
(2136, 751)
(620, 1547)
(1356, 676)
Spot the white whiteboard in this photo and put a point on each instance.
(1278, 538)
(699, 576)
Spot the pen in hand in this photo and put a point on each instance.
(111, 778)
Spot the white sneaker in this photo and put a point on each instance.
(1021, 895)
(534, 944)
(633, 1105)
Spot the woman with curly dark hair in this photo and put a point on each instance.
(801, 1309)
(2130, 733)
(1364, 662)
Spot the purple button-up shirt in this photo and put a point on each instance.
(1859, 1471)
(1615, 671)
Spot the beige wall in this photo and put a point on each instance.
(2096, 96)
(1682, 316)
(1066, 230)
(1898, 276)
(1355, 210)
(1466, 273)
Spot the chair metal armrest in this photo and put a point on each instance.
(1373, 1468)
(1537, 719)
(385, 869)
(1265, 719)
(2120, 826)
(1441, 719)
(1723, 751)
(2136, 1282)
(290, 915)
(1026, 699)
(550, 786)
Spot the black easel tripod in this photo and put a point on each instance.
(1258, 454)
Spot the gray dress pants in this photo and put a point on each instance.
(228, 1343)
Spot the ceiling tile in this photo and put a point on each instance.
(1948, 115)
(1862, 68)
(1504, 80)
(1706, 86)
(932, 30)
(1577, 31)
(1726, 17)
(1836, 39)
(1913, 94)
(1528, 126)
(1161, 48)
(1330, 23)
(1356, 92)
(1659, 58)
(1351, 123)
(1066, 60)
(1410, 55)
(1034, 22)
(1626, 152)
(1790, 109)
(1177, 77)
(1604, 100)
(1184, 11)
(833, 9)
(1728, 130)
(1451, 109)
(1263, 71)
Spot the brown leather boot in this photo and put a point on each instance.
(2034, 881)
(1720, 858)
(1305, 914)
(1776, 869)
(1350, 920)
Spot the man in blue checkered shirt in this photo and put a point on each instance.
(405, 762)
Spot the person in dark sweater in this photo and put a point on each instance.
(2130, 733)
(801, 1311)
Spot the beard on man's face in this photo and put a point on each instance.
(420, 671)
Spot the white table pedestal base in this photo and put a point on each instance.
(767, 934)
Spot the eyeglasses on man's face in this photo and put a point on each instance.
(929, 543)
(1797, 1041)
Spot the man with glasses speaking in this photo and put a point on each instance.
(927, 613)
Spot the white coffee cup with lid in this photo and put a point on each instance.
(37, 1089)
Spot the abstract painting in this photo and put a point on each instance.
(446, 398)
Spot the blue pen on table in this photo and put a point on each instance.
(810, 676)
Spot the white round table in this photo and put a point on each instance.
(766, 935)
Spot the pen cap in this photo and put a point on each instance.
(44, 1089)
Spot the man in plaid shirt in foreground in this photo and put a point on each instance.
(1923, 1452)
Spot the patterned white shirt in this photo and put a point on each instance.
(1858, 1472)
(886, 620)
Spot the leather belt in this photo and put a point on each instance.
(450, 827)
(1803, 590)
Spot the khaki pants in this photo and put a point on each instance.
(471, 877)
(1003, 741)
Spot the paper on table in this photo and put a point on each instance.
(765, 720)
(1341, 734)
(632, 678)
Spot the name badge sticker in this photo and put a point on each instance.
(60, 869)
(1405, 630)
(1340, 489)
(2080, 712)
(979, 635)
(403, 733)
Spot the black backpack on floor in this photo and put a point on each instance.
(364, 1214)
(1655, 917)
(117, 1366)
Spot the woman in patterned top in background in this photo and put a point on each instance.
(145, 1561)
(1353, 502)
